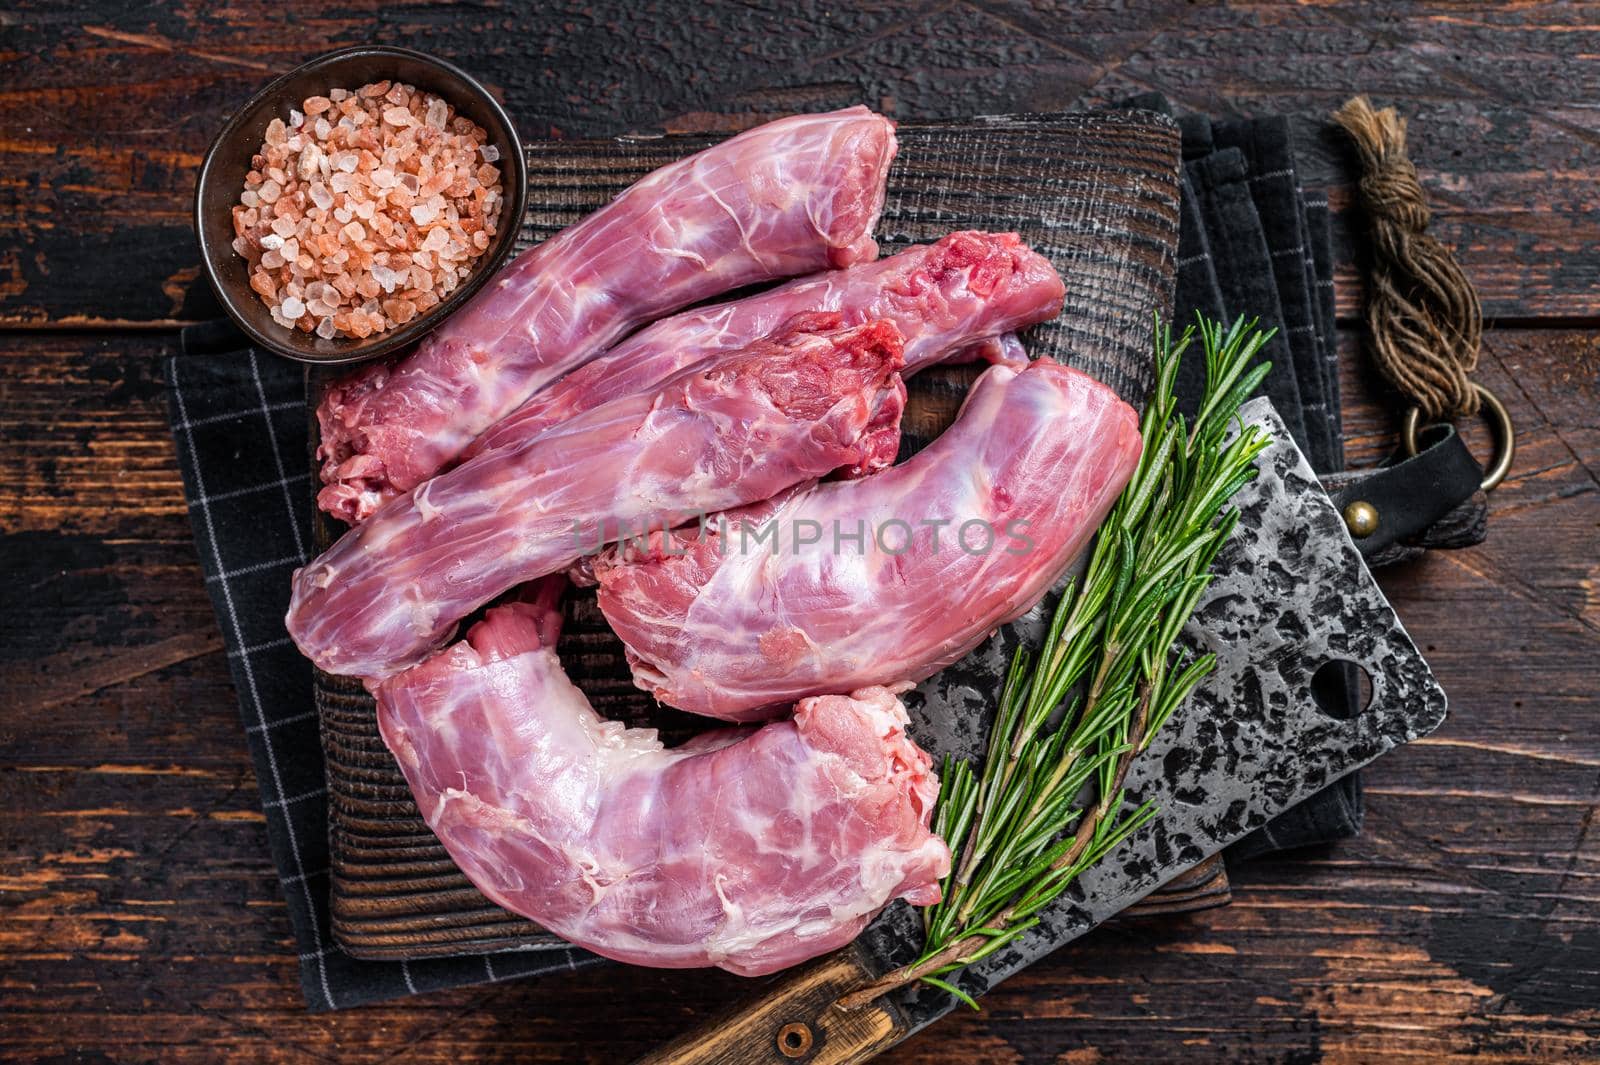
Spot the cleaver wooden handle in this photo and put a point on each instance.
(794, 1020)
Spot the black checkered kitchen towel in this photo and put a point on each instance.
(239, 421)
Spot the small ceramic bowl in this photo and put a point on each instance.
(228, 161)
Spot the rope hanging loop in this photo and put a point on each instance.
(1423, 315)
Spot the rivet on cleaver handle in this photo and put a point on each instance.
(794, 1021)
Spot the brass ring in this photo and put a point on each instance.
(1499, 420)
(794, 1040)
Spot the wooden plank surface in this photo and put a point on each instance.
(142, 918)
(94, 214)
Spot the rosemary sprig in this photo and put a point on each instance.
(1049, 802)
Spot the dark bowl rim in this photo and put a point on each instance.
(514, 177)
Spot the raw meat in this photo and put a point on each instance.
(791, 197)
(954, 297)
(736, 627)
(747, 849)
(789, 408)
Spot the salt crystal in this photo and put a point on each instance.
(249, 198)
(283, 227)
(490, 153)
(323, 128)
(296, 118)
(292, 308)
(321, 196)
(343, 214)
(290, 249)
(383, 178)
(423, 213)
(365, 209)
(410, 183)
(325, 329)
(436, 239)
(354, 231)
(341, 181)
(338, 94)
(398, 116)
(272, 259)
(347, 162)
(310, 163)
(276, 134)
(270, 191)
(438, 111)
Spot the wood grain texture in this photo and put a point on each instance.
(142, 918)
(94, 214)
(794, 1020)
(1095, 194)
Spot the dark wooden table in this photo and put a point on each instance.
(140, 918)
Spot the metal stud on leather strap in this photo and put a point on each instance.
(1361, 518)
(1499, 420)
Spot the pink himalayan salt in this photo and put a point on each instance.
(365, 209)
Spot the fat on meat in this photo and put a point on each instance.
(788, 198)
(835, 586)
(749, 849)
(812, 398)
(954, 298)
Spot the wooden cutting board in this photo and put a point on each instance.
(1095, 193)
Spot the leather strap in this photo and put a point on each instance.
(1413, 495)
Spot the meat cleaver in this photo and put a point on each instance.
(1292, 597)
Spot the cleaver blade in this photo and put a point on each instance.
(1291, 595)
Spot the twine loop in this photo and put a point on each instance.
(1423, 315)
